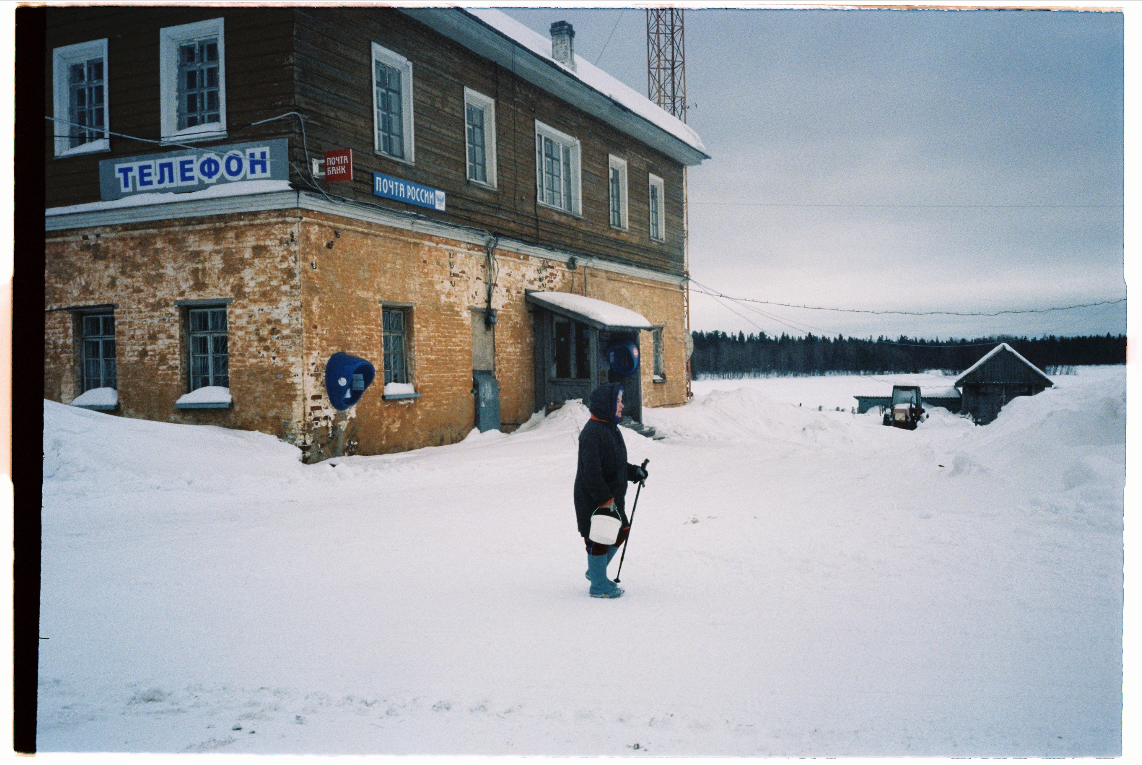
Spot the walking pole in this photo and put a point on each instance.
(632, 509)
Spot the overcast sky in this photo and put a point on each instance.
(967, 161)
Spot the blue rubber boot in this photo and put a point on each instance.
(610, 556)
(601, 587)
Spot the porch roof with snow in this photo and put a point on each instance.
(988, 370)
(592, 311)
(496, 36)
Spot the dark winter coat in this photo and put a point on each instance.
(603, 470)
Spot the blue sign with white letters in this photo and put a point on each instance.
(194, 169)
(406, 191)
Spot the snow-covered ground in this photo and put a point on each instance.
(799, 582)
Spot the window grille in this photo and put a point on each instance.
(198, 101)
(209, 351)
(390, 116)
(394, 340)
(98, 343)
(85, 102)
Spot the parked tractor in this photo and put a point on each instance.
(907, 407)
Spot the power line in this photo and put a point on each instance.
(612, 34)
(715, 293)
(904, 206)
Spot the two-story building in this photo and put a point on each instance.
(484, 221)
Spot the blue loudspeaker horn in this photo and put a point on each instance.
(623, 358)
(346, 378)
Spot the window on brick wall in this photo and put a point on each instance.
(97, 350)
(208, 347)
(79, 93)
(395, 341)
(192, 80)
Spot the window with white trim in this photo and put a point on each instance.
(657, 208)
(192, 80)
(392, 104)
(79, 95)
(208, 347)
(617, 174)
(480, 137)
(557, 176)
(97, 350)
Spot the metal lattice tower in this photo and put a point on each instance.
(666, 60)
(666, 86)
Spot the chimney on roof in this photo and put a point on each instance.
(563, 44)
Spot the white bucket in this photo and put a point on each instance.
(604, 528)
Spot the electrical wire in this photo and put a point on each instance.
(612, 34)
(121, 135)
(715, 293)
(741, 302)
(304, 147)
(910, 207)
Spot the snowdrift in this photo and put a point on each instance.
(800, 581)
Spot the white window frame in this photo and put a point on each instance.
(404, 66)
(660, 218)
(61, 96)
(572, 143)
(615, 163)
(488, 106)
(169, 40)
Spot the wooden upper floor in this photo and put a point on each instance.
(521, 145)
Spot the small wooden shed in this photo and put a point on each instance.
(997, 378)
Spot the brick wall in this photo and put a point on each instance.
(145, 270)
(302, 287)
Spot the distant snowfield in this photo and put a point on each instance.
(799, 582)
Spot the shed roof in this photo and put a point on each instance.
(597, 313)
(496, 36)
(986, 371)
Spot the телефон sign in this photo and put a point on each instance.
(339, 165)
(193, 169)
(406, 191)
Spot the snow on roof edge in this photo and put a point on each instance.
(605, 313)
(590, 75)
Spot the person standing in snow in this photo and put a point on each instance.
(601, 480)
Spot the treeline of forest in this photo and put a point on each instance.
(717, 354)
